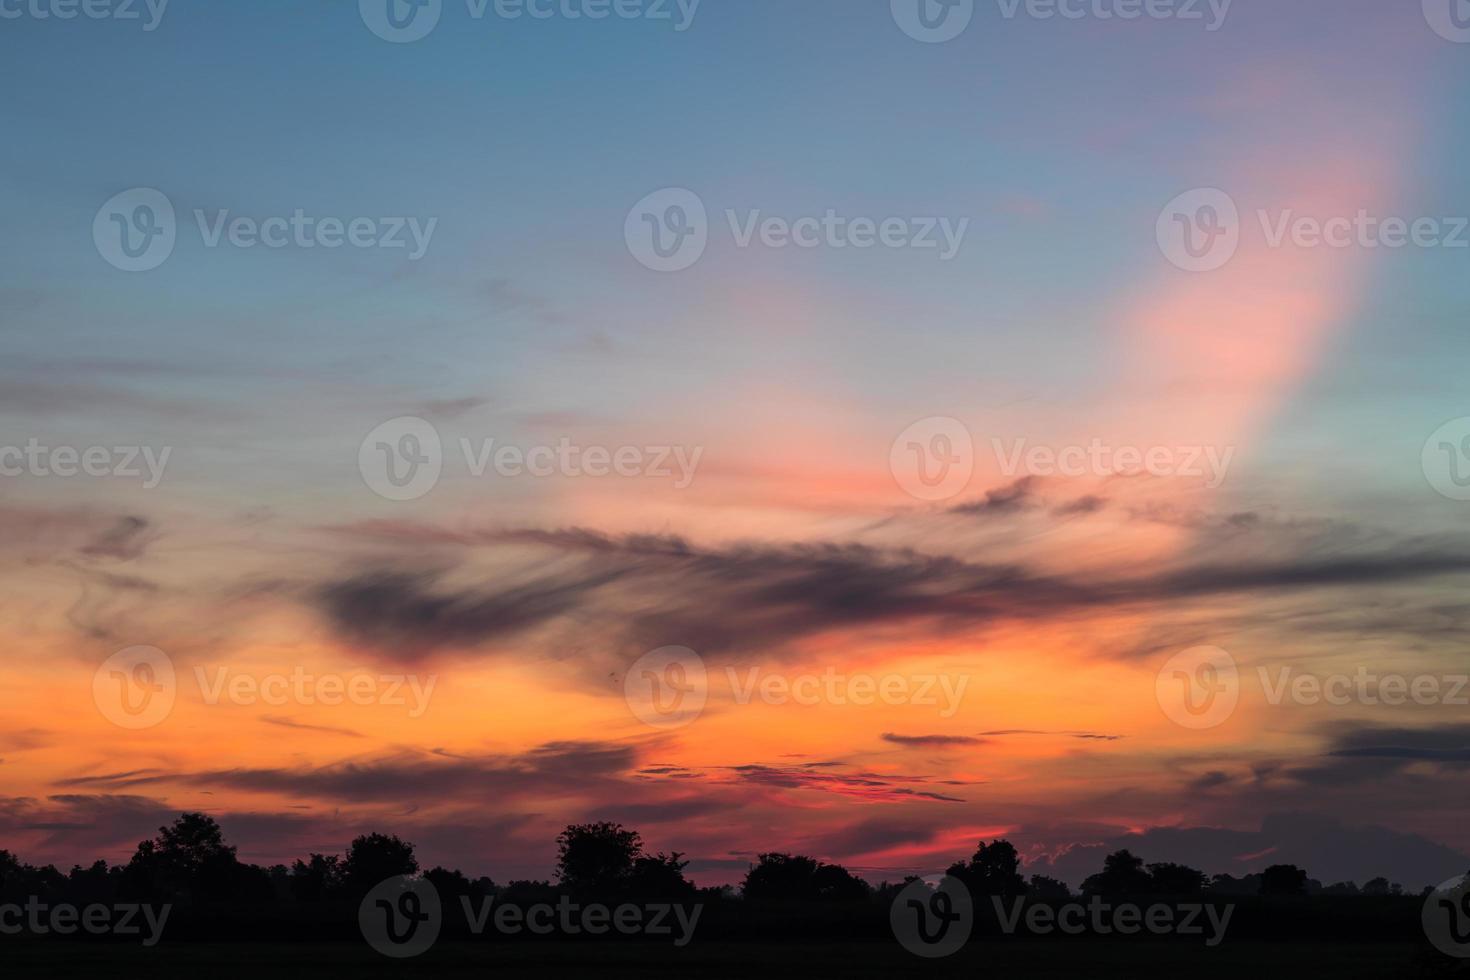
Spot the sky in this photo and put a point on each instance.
(770, 425)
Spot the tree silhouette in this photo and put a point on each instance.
(10, 870)
(659, 876)
(788, 877)
(1381, 886)
(1048, 889)
(317, 878)
(1230, 885)
(1176, 879)
(994, 869)
(597, 858)
(1122, 874)
(1283, 879)
(834, 883)
(187, 860)
(373, 858)
(190, 865)
(15, 878)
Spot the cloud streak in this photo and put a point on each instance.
(646, 591)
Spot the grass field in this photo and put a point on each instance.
(1043, 960)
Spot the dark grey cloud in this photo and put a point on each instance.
(283, 722)
(1449, 744)
(931, 741)
(449, 408)
(125, 540)
(26, 739)
(637, 592)
(656, 813)
(1017, 496)
(403, 611)
(872, 786)
(89, 545)
(414, 777)
(80, 826)
(113, 780)
(1210, 780)
(1090, 504)
(835, 778)
(1364, 753)
(41, 533)
(1088, 736)
(1325, 846)
(649, 591)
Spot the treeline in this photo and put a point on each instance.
(190, 866)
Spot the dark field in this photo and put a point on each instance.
(1011, 958)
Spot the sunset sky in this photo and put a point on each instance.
(1048, 602)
